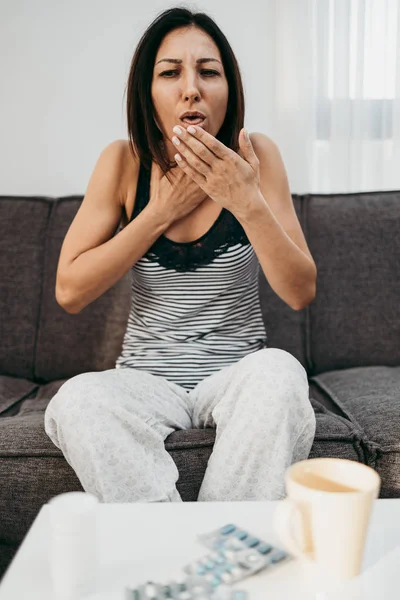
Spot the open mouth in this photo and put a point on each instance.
(193, 120)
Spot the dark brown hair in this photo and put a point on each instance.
(144, 136)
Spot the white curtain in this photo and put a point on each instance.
(333, 101)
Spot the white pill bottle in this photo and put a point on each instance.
(73, 545)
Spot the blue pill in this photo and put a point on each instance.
(228, 529)
(224, 568)
(241, 535)
(264, 548)
(216, 580)
(200, 570)
(210, 564)
(252, 542)
(278, 556)
(220, 560)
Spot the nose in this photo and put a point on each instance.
(192, 96)
(190, 88)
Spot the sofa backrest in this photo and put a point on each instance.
(23, 230)
(39, 340)
(353, 321)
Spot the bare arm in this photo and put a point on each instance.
(91, 260)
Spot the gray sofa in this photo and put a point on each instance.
(348, 339)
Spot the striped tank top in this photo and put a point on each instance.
(195, 305)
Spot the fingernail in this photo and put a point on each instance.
(177, 130)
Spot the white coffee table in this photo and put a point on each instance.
(141, 541)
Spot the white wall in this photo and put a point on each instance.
(63, 71)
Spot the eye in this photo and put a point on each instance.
(167, 73)
(204, 71)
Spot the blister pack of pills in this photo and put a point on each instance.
(190, 588)
(235, 554)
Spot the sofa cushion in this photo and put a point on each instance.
(354, 320)
(370, 398)
(38, 402)
(31, 472)
(285, 328)
(90, 340)
(14, 390)
(23, 222)
(33, 469)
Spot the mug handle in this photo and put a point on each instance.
(286, 511)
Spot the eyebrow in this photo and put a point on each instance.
(177, 61)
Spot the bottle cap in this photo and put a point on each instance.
(72, 510)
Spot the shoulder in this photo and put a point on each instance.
(121, 154)
(124, 164)
(272, 167)
(263, 145)
(130, 161)
(115, 153)
(127, 166)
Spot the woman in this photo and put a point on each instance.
(196, 227)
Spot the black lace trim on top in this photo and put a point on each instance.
(226, 231)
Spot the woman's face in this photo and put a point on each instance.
(181, 84)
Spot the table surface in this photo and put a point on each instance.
(153, 541)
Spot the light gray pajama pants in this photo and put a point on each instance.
(111, 426)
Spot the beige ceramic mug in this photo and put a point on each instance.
(325, 517)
